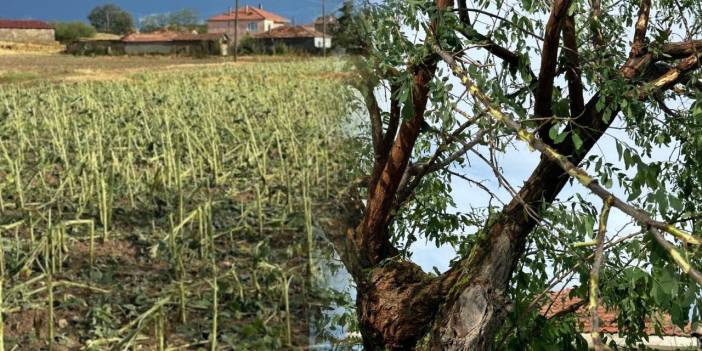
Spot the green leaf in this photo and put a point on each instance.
(554, 131)
(675, 203)
(577, 142)
(635, 192)
(560, 137)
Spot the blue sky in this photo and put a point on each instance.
(301, 11)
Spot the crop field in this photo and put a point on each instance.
(36, 67)
(170, 211)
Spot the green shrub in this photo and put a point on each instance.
(248, 46)
(68, 32)
(280, 49)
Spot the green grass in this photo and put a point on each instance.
(159, 211)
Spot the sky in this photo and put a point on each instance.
(302, 11)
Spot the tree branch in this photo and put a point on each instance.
(595, 275)
(512, 59)
(677, 257)
(573, 74)
(596, 24)
(543, 99)
(417, 172)
(376, 119)
(639, 47)
(578, 173)
(371, 237)
(682, 49)
(382, 142)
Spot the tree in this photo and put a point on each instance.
(111, 19)
(592, 80)
(184, 20)
(68, 32)
(348, 33)
(153, 23)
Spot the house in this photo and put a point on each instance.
(332, 24)
(156, 43)
(27, 31)
(252, 20)
(670, 337)
(295, 38)
(173, 43)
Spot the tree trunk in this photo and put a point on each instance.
(398, 305)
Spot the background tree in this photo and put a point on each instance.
(111, 19)
(68, 32)
(348, 34)
(607, 92)
(152, 23)
(185, 20)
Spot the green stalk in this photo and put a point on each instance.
(286, 300)
(161, 332)
(92, 245)
(2, 258)
(308, 227)
(103, 208)
(259, 207)
(50, 300)
(2, 324)
(215, 307)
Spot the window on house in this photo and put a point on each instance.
(252, 27)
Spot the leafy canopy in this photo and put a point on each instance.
(650, 156)
(111, 18)
(183, 20)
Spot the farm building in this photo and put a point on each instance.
(252, 20)
(295, 38)
(27, 31)
(171, 43)
(667, 337)
(158, 43)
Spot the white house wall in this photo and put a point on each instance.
(318, 42)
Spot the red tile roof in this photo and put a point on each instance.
(291, 32)
(559, 301)
(150, 37)
(24, 24)
(158, 37)
(196, 37)
(250, 13)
